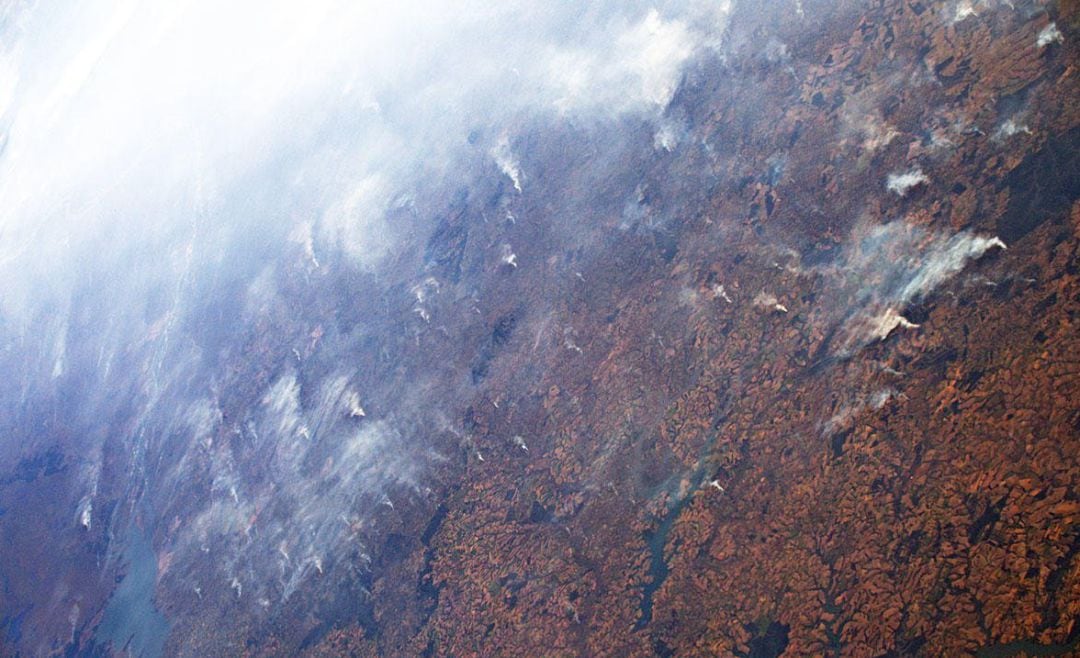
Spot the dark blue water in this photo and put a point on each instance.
(131, 622)
(658, 566)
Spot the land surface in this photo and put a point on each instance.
(674, 424)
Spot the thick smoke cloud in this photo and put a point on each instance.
(159, 160)
(125, 109)
(145, 145)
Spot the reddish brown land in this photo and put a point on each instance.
(705, 478)
(680, 435)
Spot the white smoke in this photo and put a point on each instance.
(1048, 35)
(889, 266)
(122, 117)
(508, 164)
(903, 183)
(152, 155)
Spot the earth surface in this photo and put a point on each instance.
(788, 367)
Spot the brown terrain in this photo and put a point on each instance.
(675, 425)
(663, 471)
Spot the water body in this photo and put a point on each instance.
(131, 623)
(657, 539)
(658, 566)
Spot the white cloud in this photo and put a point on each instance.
(1048, 35)
(326, 464)
(506, 161)
(880, 326)
(843, 417)
(157, 157)
(124, 110)
(640, 71)
(964, 9)
(943, 259)
(1009, 128)
(769, 301)
(356, 220)
(668, 134)
(282, 402)
(720, 292)
(902, 183)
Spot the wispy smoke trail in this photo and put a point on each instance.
(159, 162)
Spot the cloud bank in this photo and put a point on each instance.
(165, 166)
